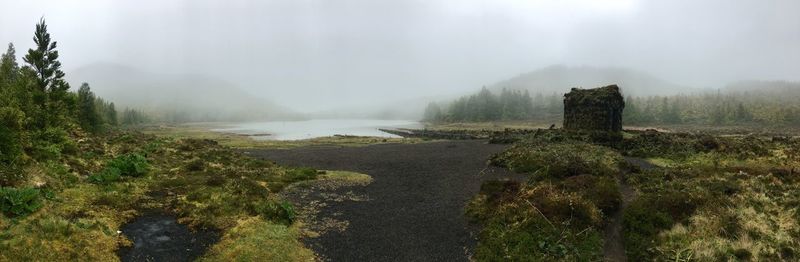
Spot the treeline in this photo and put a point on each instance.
(754, 102)
(487, 106)
(38, 114)
(773, 103)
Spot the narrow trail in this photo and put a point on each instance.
(614, 248)
(415, 206)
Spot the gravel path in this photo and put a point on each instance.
(416, 201)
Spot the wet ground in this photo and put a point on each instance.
(158, 236)
(415, 206)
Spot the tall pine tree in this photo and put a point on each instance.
(51, 93)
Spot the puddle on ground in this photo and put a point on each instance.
(159, 237)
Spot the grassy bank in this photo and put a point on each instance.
(708, 198)
(72, 207)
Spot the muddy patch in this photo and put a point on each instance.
(159, 237)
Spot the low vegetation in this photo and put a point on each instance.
(70, 177)
(82, 199)
(707, 197)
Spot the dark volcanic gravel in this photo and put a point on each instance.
(417, 198)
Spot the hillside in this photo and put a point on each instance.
(559, 79)
(175, 97)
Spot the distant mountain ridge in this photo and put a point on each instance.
(560, 79)
(185, 97)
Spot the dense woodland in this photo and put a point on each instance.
(487, 106)
(773, 103)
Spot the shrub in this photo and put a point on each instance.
(42, 150)
(19, 201)
(50, 143)
(131, 164)
(300, 174)
(10, 125)
(108, 175)
(281, 212)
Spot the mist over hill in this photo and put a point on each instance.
(176, 98)
(783, 90)
(560, 79)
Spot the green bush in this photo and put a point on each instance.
(108, 175)
(19, 201)
(51, 143)
(281, 212)
(300, 174)
(131, 164)
(42, 150)
(10, 125)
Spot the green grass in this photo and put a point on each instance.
(709, 197)
(535, 223)
(254, 239)
(87, 195)
(560, 160)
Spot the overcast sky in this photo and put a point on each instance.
(318, 54)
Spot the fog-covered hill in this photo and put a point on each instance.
(179, 98)
(559, 79)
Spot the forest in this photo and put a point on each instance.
(486, 106)
(749, 102)
(38, 111)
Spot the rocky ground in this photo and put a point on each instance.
(413, 210)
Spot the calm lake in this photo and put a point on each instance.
(296, 130)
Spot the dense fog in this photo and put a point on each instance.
(367, 58)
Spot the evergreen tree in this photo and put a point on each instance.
(87, 112)
(111, 114)
(51, 91)
(433, 112)
(631, 112)
(8, 67)
(527, 105)
(539, 102)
